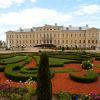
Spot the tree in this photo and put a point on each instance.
(44, 85)
(0, 43)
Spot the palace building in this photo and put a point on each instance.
(79, 37)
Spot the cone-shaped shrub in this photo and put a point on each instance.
(44, 85)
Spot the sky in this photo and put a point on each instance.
(15, 14)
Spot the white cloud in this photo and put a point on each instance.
(30, 18)
(8, 3)
(33, 1)
(34, 16)
(88, 9)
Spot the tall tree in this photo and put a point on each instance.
(44, 85)
(0, 43)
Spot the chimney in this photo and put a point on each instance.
(87, 26)
(70, 26)
(55, 24)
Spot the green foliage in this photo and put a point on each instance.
(65, 70)
(2, 67)
(26, 96)
(14, 96)
(86, 65)
(27, 70)
(98, 66)
(64, 96)
(56, 62)
(44, 85)
(13, 59)
(13, 73)
(5, 56)
(89, 77)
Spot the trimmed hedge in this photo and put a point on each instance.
(16, 72)
(5, 56)
(2, 67)
(90, 76)
(65, 70)
(13, 73)
(13, 59)
(57, 62)
(27, 70)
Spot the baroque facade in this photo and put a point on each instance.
(81, 37)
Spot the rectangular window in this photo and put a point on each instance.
(71, 35)
(51, 41)
(92, 41)
(58, 42)
(88, 41)
(83, 41)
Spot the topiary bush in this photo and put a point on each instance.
(86, 65)
(44, 85)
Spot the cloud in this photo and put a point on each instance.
(8, 3)
(88, 9)
(34, 16)
(33, 1)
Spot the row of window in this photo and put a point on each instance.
(55, 41)
(51, 35)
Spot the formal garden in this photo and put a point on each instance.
(73, 76)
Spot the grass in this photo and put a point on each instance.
(65, 70)
(54, 61)
(13, 59)
(98, 66)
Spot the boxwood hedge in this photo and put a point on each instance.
(16, 72)
(13, 59)
(13, 73)
(2, 67)
(27, 70)
(90, 76)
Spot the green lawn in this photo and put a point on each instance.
(13, 59)
(65, 70)
(98, 66)
(54, 61)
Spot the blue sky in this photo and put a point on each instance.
(30, 13)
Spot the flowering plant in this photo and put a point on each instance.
(86, 65)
